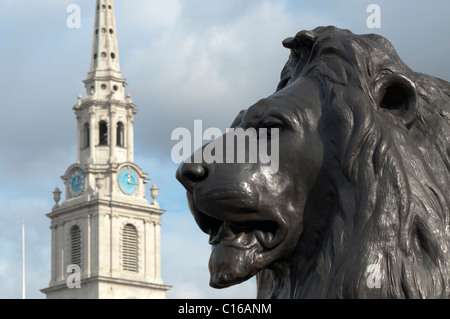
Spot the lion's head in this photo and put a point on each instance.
(359, 205)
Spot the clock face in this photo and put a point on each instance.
(77, 183)
(128, 181)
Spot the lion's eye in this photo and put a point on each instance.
(274, 125)
(270, 127)
(273, 122)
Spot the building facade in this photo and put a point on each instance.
(105, 234)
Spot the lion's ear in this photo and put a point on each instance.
(398, 95)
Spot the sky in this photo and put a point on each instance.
(184, 60)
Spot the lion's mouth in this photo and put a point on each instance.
(245, 235)
(240, 248)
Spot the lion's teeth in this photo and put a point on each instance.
(265, 238)
(268, 236)
(260, 236)
(218, 237)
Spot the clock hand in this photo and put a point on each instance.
(129, 182)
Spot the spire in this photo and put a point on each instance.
(104, 76)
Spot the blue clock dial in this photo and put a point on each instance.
(128, 181)
(77, 183)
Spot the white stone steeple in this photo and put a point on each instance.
(105, 116)
(105, 230)
(104, 77)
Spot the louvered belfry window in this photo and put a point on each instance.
(75, 245)
(130, 248)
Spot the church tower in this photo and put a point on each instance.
(105, 235)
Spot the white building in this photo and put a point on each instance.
(106, 226)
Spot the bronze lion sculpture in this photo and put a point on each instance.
(359, 205)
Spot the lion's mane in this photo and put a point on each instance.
(390, 180)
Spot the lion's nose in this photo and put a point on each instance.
(189, 174)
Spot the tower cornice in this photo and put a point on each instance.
(88, 102)
(105, 77)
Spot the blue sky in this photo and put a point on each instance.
(184, 60)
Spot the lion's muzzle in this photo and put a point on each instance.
(243, 237)
(189, 174)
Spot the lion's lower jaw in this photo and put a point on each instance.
(230, 265)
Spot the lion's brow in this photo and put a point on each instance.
(289, 114)
(271, 107)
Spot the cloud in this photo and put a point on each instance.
(149, 17)
(206, 66)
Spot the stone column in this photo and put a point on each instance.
(86, 258)
(114, 244)
(60, 271)
(130, 138)
(149, 251)
(79, 137)
(92, 135)
(158, 276)
(54, 254)
(113, 134)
